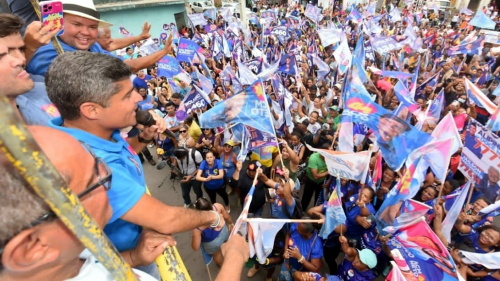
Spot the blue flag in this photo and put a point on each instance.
(334, 215)
(248, 107)
(483, 21)
(396, 138)
(168, 66)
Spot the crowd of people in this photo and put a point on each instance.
(122, 108)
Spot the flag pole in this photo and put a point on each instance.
(208, 271)
(471, 190)
(320, 221)
(335, 135)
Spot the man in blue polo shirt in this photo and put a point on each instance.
(95, 100)
(81, 23)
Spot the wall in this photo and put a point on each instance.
(132, 18)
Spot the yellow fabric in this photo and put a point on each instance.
(264, 155)
(194, 131)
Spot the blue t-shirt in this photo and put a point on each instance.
(305, 246)
(41, 60)
(127, 185)
(141, 82)
(36, 107)
(354, 230)
(212, 171)
(277, 208)
(348, 272)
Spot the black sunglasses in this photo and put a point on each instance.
(183, 131)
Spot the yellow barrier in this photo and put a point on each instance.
(170, 264)
(24, 153)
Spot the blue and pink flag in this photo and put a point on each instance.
(395, 138)
(187, 51)
(494, 123)
(392, 74)
(478, 97)
(259, 139)
(168, 66)
(437, 155)
(249, 107)
(195, 99)
(454, 211)
(404, 96)
(377, 171)
(420, 254)
(314, 13)
(471, 48)
(406, 188)
(334, 214)
(354, 15)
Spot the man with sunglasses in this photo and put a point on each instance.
(97, 99)
(34, 244)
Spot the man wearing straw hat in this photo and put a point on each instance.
(81, 23)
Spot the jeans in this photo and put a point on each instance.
(310, 187)
(186, 189)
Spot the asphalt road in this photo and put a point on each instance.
(169, 192)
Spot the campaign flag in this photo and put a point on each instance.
(261, 239)
(404, 96)
(168, 66)
(413, 85)
(344, 164)
(466, 11)
(420, 255)
(329, 36)
(431, 81)
(226, 13)
(259, 139)
(488, 260)
(197, 19)
(377, 171)
(452, 215)
(488, 213)
(395, 15)
(245, 75)
(123, 31)
(195, 99)
(392, 74)
(334, 214)
(210, 13)
(343, 56)
(395, 138)
(248, 107)
(241, 223)
(288, 64)
(268, 70)
(268, 14)
(433, 112)
(187, 50)
(411, 210)
(481, 156)
(278, 89)
(406, 188)
(323, 68)
(437, 154)
(395, 274)
(254, 65)
(346, 137)
(206, 257)
(313, 12)
(483, 21)
(281, 32)
(253, 18)
(471, 48)
(494, 122)
(446, 128)
(204, 83)
(478, 97)
(354, 15)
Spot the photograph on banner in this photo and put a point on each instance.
(187, 50)
(287, 64)
(480, 161)
(168, 66)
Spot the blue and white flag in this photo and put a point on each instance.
(452, 215)
(483, 21)
(313, 12)
(197, 19)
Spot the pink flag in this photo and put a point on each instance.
(448, 129)
(478, 97)
(437, 154)
(377, 171)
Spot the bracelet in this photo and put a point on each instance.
(144, 140)
(217, 222)
(302, 259)
(267, 261)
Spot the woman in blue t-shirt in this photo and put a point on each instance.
(211, 173)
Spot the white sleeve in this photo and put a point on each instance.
(197, 157)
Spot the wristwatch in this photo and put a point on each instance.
(144, 140)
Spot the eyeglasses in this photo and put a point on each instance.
(102, 180)
(182, 132)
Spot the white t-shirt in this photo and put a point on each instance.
(93, 270)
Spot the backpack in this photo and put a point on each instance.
(180, 152)
(298, 211)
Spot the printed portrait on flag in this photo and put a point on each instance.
(287, 64)
(395, 138)
(480, 161)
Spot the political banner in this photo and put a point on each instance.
(187, 50)
(197, 19)
(268, 14)
(480, 161)
(313, 12)
(248, 107)
(420, 255)
(254, 65)
(259, 138)
(344, 164)
(168, 66)
(210, 13)
(281, 32)
(395, 138)
(287, 64)
(329, 36)
(471, 48)
(195, 99)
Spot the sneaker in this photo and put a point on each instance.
(172, 176)
(186, 205)
(152, 162)
(228, 209)
(161, 165)
(251, 273)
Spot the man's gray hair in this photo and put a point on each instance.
(19, 205)
(77, 77)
